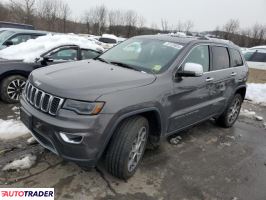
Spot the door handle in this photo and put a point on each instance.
(233, 74)
(209, 79)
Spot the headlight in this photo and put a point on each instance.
(83, 108)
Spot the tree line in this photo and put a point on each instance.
(56, 16)
(252, 36)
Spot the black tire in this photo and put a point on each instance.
(120, 148)
(153, 143)
(226, 120)
(18, 87)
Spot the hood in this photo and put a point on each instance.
(3, 61)
(88, 79)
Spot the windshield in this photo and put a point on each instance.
(248, 54)
(4, 35)
(149, 55)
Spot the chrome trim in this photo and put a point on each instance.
(39, 105)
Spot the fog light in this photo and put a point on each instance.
(70, 138)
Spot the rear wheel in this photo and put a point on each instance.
(229, 117)
(12, 87)
(127, 147)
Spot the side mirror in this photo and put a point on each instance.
(8, 43)
(48, 59)
(191, 70)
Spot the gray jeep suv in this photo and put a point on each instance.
(146, 88)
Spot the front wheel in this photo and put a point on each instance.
(127, 147)
(229, 117)
(11, 88)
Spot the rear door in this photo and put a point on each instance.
(238, 69)
(221, 78)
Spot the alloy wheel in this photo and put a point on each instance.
(15, 88)
(234, 110)
(137, 149)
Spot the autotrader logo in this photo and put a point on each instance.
(27, 193)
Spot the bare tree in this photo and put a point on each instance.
(141, 21)
(164, 24)
(87, 19)
(258, 34)
(231, 28)
(48, 13)
(4, 12)
(188, 25)
(22, 10)
(116, 19)
(131, 18)
(180, 26)
(64, 14)
(101, 17)
(96, 19)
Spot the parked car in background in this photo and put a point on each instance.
(138, 92)
(108, 41)
(256, 58)
(17, 62)
(262, 47)
(12, 36)
(16, 25)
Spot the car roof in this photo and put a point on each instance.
(188, 39)
(17, 30)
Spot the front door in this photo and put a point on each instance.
(190, 98)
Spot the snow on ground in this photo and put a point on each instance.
(247, 113)
(10, 129)
(32, 49)
(256, 92)
(24, 163)
(250, 114)
(31, 140)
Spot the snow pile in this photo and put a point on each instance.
(25, 163)
(34, 48)
(247, 113)
(256, 92)
(31, 141)
(250, 114)
(109, 36)
(10, 129)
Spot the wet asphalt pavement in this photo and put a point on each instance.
(207, 163)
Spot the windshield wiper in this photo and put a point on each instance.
(124, 65)
(102, 59)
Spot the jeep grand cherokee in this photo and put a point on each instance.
(146, 88)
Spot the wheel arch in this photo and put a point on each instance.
(151, 114)
(12, 73)
(242, 91)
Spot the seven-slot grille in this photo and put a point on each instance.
(42, 100)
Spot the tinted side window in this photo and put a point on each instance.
(236, 59)
(88, 54)
(199, 55)
(35, 36)
(65, 54)
(20, 38)
(220, 58)
(107, 40)
(258, 57)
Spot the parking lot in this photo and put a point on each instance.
(207, 162)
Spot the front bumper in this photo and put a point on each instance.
(46, 128)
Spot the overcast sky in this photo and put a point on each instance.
(206, 14)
